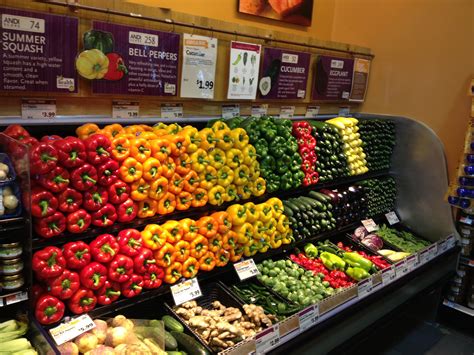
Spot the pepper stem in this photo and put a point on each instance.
(50, 311)
(44, 207)
(102, 151)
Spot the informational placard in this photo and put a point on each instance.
(392, 218)
(230, 110)
(364, 288)
(186, 291)
(243, 70)
(308, 317)
(388, 275)
(259, 110)
(284, 74)
(312, 112)
(38, 108)
(425, 255)
(16, 297)
(287, 111)
(199, 66)
(171, 111)
(246, 269)
(72, 329)
(267, 339)
(344, 111)
(433, 251)
(360, 79)
(125, 109)
(412, 262)
(333, 79)
(442, 246)
(37, 52)
(451, 241)
(140, 61)
(370, 225)
(400, 268)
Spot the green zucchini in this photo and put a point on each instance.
(293, 207)
(170, 341)
(191, 346)
(172, 324)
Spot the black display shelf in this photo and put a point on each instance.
(11, 224)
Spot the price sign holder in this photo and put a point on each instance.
(125, 109)
(364, 288)
(433, 251)
(388, 275)
(308, 317)
(425, 255)
(16, 297)
(344, 111)
(72, 329)
(370, 225)
(287, 111)
(38, 109)
(186, 291)
(267, 339)
(450, 241)
(259, 110)
(246, 269)
(230, 110)
(400, 269)
(392, 218)
(311, 112)
(171, 111)
(412, 262)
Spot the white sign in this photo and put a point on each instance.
(171, 111)
(186, 291)
(244, 64)
(199, 66)
(38, 109)
(22, 23)
(65, 83)
(125, 109)
(392, 218)
(230, 110)
(308, 317)
(451, 241)
(259, 110)
(311, 112)
(400, 269)
(246, 269)
(267, 339)
(287, 111)
(370, 225)
(425, 255)
(16, 297)
(388, 275)
(433, 251)
(72, 329)
(364, 288)
(143, 39)
(346, 110)
(412, 262)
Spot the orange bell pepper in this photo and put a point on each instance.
(140, 190)
(166, 255)
(183, 164)
(152, 169)
(153, 237)
(190, 268)
(175, 230)
(190, 229)
(160, 149)
(169, 168)
(236, 254)
(133, 129)
(167, 203)
(140, 149)
(208, 226)
(229, 240)
(131, 170)
(207, 262)
(147, 208)
(183, 201)
(199, 198)
(158, 188)
(178, 144)
(182, 250)
(199, 246)
(208, 139)
(112, 130)
(224, 221)
(222, 258)
(149, 136)
(176, 184)
(215, 243)
(191, 181)
(86, 130)
(120, 148)
(173, 273)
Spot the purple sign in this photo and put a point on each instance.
(284, 74)
(333, 79)
(37, 52)
(150, 57)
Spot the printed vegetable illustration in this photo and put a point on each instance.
(103, 41)
(117, 68)
(265, 85)
(245, 58)
(92, 64)
(237, 60)
(253, 59)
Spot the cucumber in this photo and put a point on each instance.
(170, 342)
(172, 324)
(191, 346)
(305, 205)
(287, 210)
(293, 207)
(320, 197)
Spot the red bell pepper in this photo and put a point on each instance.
(57, 180)
(309, 141)
(65, 285)
(77, 255)
(301, 128)
(84, 177)
(43, 203)
(98, 149)
(130, 241)
(50, 226)
(52, 138)
(95, 199)
(143, 261)
(93, 276)
(118, 192)
(127, 211)
(16, 131)
(314, 176)
(104, 217)
(107, 173)
(82, 301)
(43, 158)
(154, 276)
(120, 268)
(108, 293)
(79, 221)
(307, 153)
(70, 200)
(37, 291)
(48, 262)
(49, 309)
(103, 248)
(133, 287)
(117, 68)
(308, 166)
(71, 152)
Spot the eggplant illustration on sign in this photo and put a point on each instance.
(270, 78)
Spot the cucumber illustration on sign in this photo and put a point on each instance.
(270, 78)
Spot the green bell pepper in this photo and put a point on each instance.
(357, 273)
(101, 40)
(291, 146)
(332, 262)
(283, 164)
(358, 261)
(286, 181)
(261, 146)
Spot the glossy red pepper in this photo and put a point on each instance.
(103, 248)
(107, 173)
(77, 255)
(120, 268)
(95, 199)
(43, 158)
(48, 262)
(50, 226)
(117, 68)
(133, 287)
(308, 166)
(71, 152)
(143, 261)
(98, 149)
(93, 276)
(104, 217)
(65, 285)
(51, 138)
(43, 203)
(127, 211)
(84, 177)
(70, 200)
(118, 192)
(57, 180)
(16, 131)
(153, 277)
(82, 301)
(108, 293)
(49, 309)
(130, 241)
(307, 153)
(79, 221)
(301, 128)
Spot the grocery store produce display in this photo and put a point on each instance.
(13, 338)
(378, 140)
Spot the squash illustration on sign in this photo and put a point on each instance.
(98, 60)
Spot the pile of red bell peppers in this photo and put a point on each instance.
(306, 147)
(376, 259)
(83, 275)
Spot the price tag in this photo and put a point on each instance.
(411, 262)
(267, 339)
(442, 246)
(125, 109)
(259, 110)
(450, 242)
(1, 302)
(392, 218)
(433, 251)
(400, 269)
(466, 220)
(370, 225)
(388, 275)
(16, 297)
(230, 110)
(186, 291)
(72, 329)
(246, 269)
(171, 111)
(425, 255)
(287, 111)
(344, 111)
(308, 317)
(37, 109)
(311, 112)
(364, 288)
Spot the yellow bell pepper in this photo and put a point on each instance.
(241, 175)
(92, 64)
(265, 212)
(251, 248)
(154, 237)
(244, 232)
(244, 191)
(259, 230)
(216, 195)
(225, 176)
(254, 169)
(234, 158)
(112, 130)
(250, 154)
(237, 214)
(208, 178)
(277, 206)
(259, 187)
(240, 138)
(252, 213)
(217, 158)
(275, 244)
(200, 160)
(208, 139)
(219, 125)
(225, 141)
(139, 190)
(231, 193)
(283, 225)
(270, 226)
